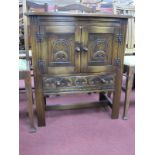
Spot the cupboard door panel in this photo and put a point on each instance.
(59, 48)
(97, 43)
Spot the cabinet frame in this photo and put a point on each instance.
(37, 24)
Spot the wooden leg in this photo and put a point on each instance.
(117, 95)
(129, 83)
(30, 101)
(39, 98)
(40, 107)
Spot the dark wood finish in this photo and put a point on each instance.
(40, 106)
(76, 83)
(77, 53)
(119, 70)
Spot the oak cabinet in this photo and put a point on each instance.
(77, 53)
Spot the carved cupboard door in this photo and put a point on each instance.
(60, 53)
(97, 52)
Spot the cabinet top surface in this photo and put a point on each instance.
(76, 14)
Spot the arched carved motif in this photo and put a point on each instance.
(100, 49)
(99, 55)
(61, 50)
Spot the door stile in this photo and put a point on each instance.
(84, 49)
(77, 53)
(43, 56)
(36, 48)
(119, 45)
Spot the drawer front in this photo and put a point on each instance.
(81, 83)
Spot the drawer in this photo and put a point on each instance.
(80, 83)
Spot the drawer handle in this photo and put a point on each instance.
(103, 81)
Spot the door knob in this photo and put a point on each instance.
(85, 49)
(77, 49)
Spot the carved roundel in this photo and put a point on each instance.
(94, 81)
(60, 56)
(57, 82)
(65, 83)
(81, 82)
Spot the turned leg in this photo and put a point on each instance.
(28, 88)
(129, 83)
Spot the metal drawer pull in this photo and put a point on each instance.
(104, 81)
